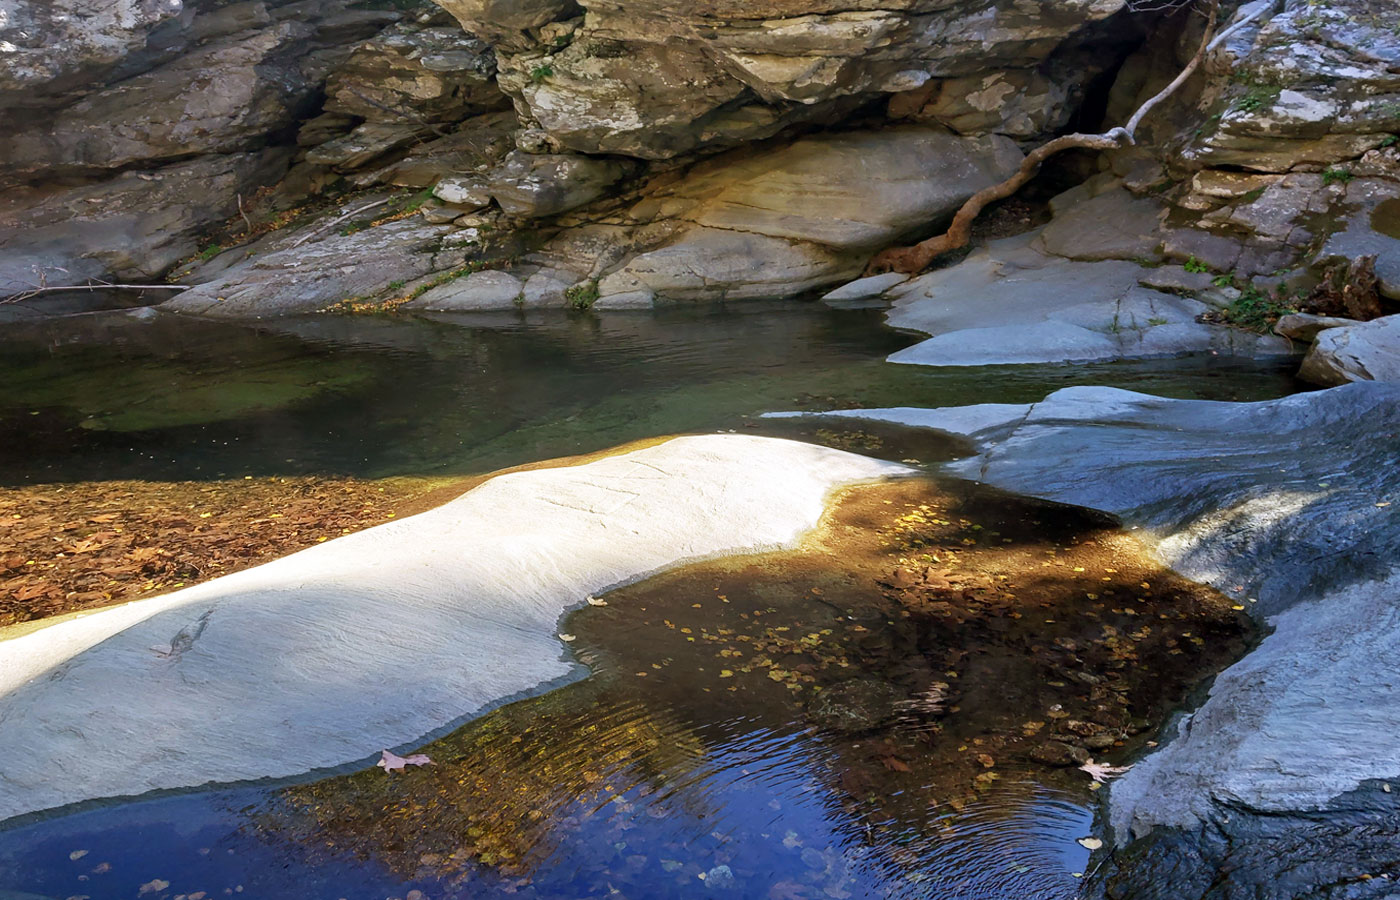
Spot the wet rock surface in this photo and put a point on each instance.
(1288, 506)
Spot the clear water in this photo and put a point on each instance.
(109, 396)
(748, 798)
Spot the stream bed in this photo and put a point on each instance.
(974, 642)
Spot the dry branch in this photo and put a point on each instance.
(916, 258)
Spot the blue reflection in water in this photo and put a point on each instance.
(749, 812)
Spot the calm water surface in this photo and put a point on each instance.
(109, 396)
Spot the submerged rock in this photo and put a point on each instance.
(861, 704)
(1284, 776)
(375, 639)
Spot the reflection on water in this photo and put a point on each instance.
(102, 397)
(736, 809)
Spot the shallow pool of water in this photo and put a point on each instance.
(115, 396)
(610, 787)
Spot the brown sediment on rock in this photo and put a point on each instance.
(74, 547)
(941, 639)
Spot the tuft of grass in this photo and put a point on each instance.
(210, 252)
(1254, 310)
(1195, 266)
(582, 296)
(1337, 176)
(539, 74)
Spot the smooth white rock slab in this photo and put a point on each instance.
(376, 639)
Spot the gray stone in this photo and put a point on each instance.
(288, 280)
(1305, 327)
(173, 111)
(1371, 227)
(1368, 351)
(546, 185)
(867, 288)
(546, 288)
(1112, 225)
(714, 263)
(479, 290)
(463, 190)
(133, 226)
(1031, 308)
(287, 667)
(365, 144)
(1176, 280)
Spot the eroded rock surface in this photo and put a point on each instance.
(375, 639)
(1284, 779)
(1009, 303)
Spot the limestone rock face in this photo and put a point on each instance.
(438, 74)
(1366, 351)
(135, 225)
(1316, 84)
(62, 44)
(657, 78)
(547, 184)
(788, 220)
(219, 99)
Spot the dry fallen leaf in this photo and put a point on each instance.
(391, 763)
(1101, 772)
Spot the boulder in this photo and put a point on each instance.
(1366, 351)
(471, 592)
(133, 226)
(1369, 211)
(480, 290)
(659, 78)
(785, 221)
(1306, 327)
(1031, 308)
(415, 72)
(534, 186)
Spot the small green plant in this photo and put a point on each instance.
(540, 73)
(1251, 196)
(1337, 176)
(1157, 320)
(1224, 280)
(396, 285)
(1390, 140)
(210, 252)
(1254, 310)
(582, 296)
(1195, 266)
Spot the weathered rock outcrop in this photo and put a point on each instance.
(786, 221)
(1032, 307)
(298, 664)
(195, 108)
(658, 78)
(1282, 784)
(1367, 351)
